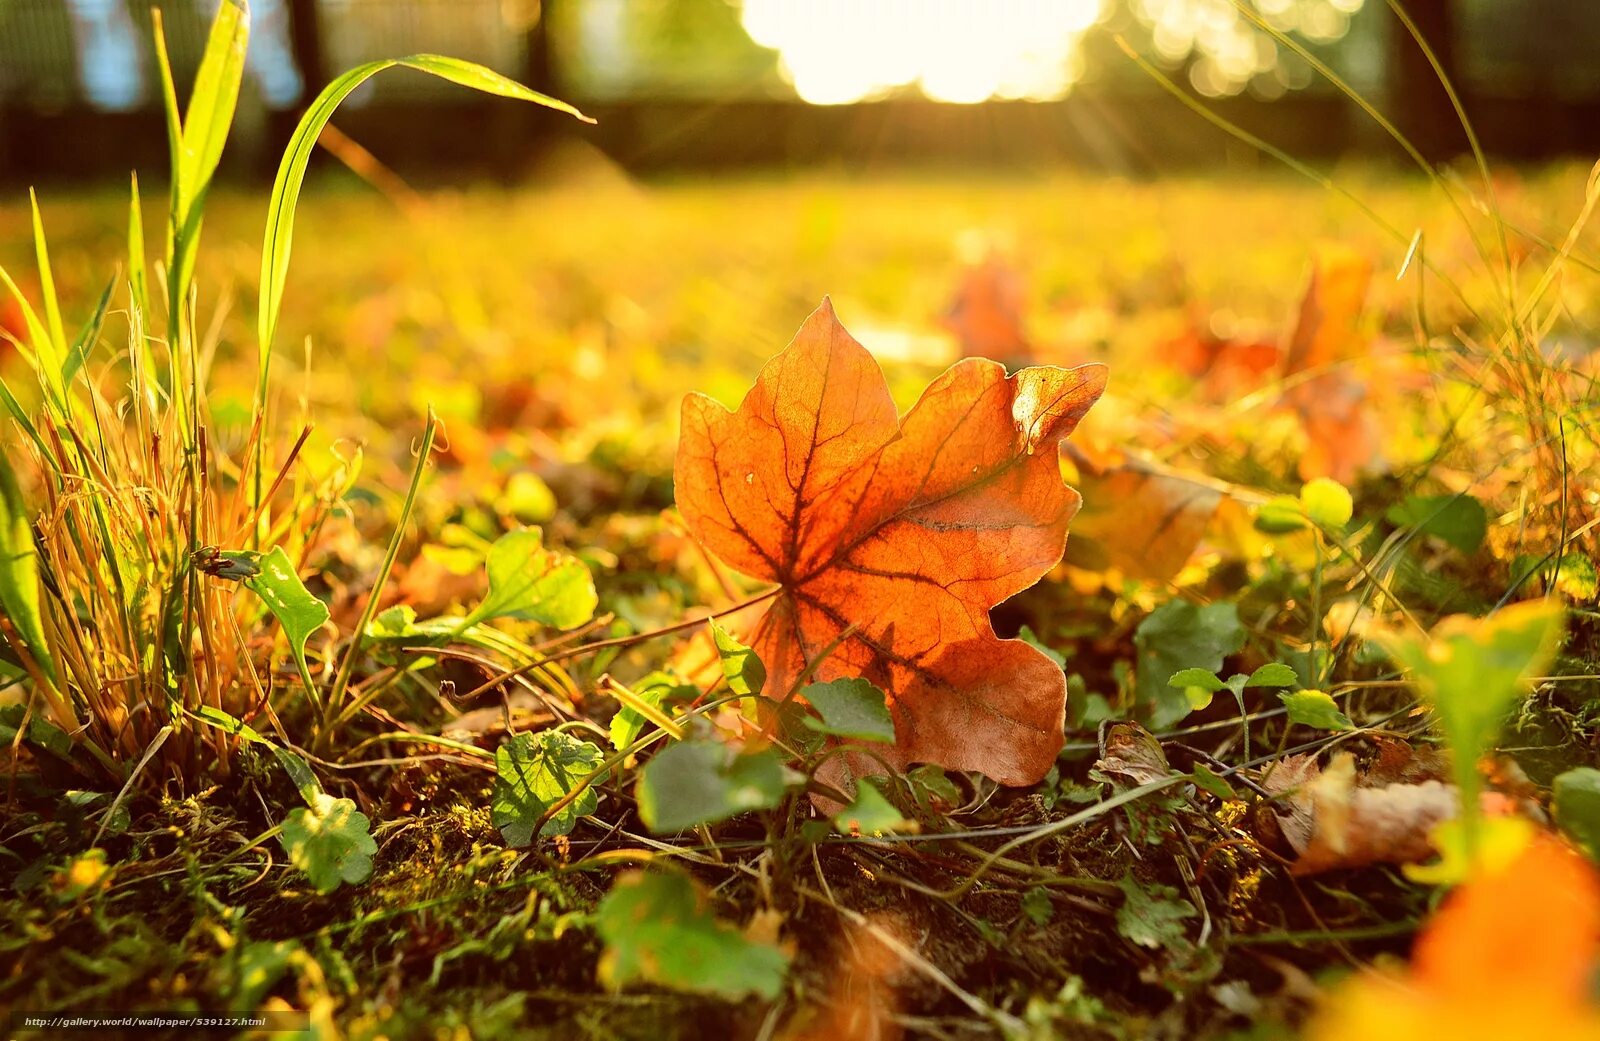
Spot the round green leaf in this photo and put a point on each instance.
(1459, 520)
(1273, 675)
(1280, 515)
(534, 584)
(534, 772)
(329, 841)
(869, 814)
(702, 781)
(1314, 708)
(850, 708)
(1577, 807)
(657, 930)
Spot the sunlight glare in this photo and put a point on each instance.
(1228, 51)
(840, 51)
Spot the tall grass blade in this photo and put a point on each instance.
(1267, 148)
(200, 141)
(1482, 160)
(47, 289)
(279, 239)
(38, 336)
(347, 667)
(78, 353)
(18, 413)
(169, 101)
(1387, 125)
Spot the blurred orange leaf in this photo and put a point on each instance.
(1226, 364)
(986, 316)
(903, 532)
(1509, 954)
(1341, 434)
(1140, 518)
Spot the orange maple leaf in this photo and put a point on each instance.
(907, 529)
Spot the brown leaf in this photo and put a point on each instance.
(1133, 755)
(1226, 366)
(859, 1001)
(1327, 328)
(907, 529)
(1398, 762)
(431, 587)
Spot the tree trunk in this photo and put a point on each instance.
(1420, 106)
(305, 40)
(538, 70)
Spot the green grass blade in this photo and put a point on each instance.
(174, 121)
(138, 281)
(215, 94)
(1490, 196)
(78, 353)
(18, 413)
(174, 118)
(19, 571)
(279, 238)
(38, 335)
(47, 284)
(1267, 148)
(348, 665)
(1387, 125)
(37, 350)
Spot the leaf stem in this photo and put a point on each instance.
(347, 667)
(620, 641)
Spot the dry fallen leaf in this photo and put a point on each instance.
(908, 529)
(1327, 328)
(1510, 954)
(1225, 366)
(1336, 819)
(859, 1000)
(1133, 755)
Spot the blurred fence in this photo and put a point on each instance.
(59, 54)
(78, 96)
(54, 53)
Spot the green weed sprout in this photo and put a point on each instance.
(1471, 671)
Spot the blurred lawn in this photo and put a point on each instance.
(612, 298)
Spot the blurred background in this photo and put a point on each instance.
(699, 84)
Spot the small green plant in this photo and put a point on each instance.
(657, 930)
